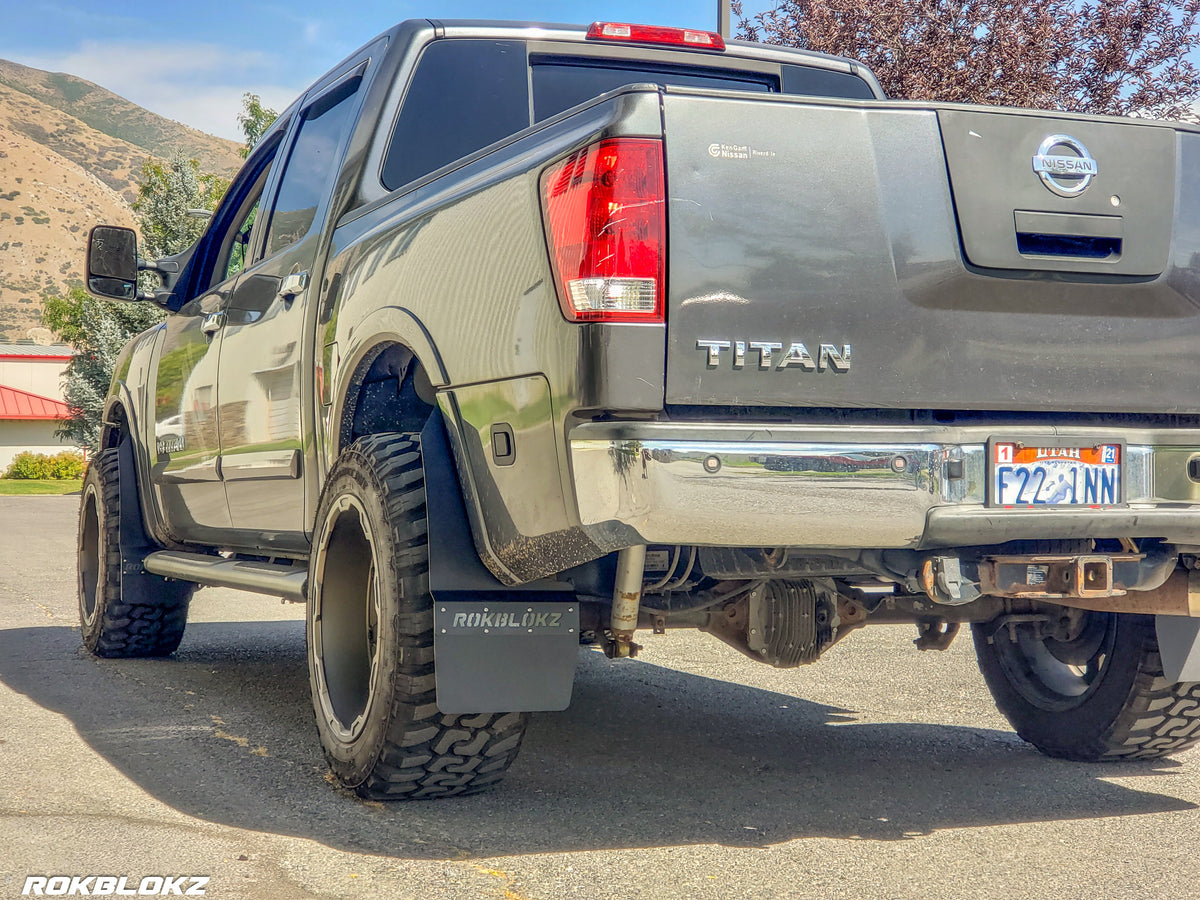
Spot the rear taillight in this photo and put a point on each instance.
(605, 209)
(655, 34)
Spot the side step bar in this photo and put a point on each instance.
(288, 582)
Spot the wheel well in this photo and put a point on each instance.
(116, 423)
(390, 391)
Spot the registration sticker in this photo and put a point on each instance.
(1024, 475)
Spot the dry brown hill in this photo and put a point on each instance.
(106, 113)
(69, 151)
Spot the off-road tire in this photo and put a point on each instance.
(397, 744)
(1130, 712)
(148, 617)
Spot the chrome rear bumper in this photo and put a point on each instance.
(907, 487)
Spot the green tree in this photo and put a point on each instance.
(166, 191)
(255, 119)
(98, 329)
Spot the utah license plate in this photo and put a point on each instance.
(1024, 475)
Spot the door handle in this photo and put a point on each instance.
(213, 323)
(292, 284)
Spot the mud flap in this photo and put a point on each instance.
(1178, 647)
(497, 648)
(136, 583)
(504, 657)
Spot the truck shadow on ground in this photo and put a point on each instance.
(645, 757)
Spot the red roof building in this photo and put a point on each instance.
(31, 400)
(18, 404)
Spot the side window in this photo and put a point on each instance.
(227, 255)
(235, 256)
(311, 166)
(464, 95)
(824, 83)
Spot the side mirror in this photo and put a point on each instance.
(112, 265)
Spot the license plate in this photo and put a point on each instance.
(1024, 475)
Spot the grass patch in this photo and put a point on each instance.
(15, 487)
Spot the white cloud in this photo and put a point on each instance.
(213, 109)
(198, 84)
(312, 30)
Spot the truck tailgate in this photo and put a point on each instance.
(921, 261)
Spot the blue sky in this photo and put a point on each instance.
(193, 61)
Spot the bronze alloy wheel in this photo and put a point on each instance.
(89, 555)
(345, 617)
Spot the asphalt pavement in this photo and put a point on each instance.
(689, 772)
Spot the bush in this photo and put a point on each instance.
(67, 464)
(43, 467)
(29, 465)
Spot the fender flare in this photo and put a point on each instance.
(119, 396)
(394, 325)
(387, 325)
(135, 452)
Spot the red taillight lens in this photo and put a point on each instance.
(655, 34)
(606, 216)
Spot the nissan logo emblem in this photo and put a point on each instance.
(1067, 175)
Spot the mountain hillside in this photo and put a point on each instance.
(69, 152)
(106, 113)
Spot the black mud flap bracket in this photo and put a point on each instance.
(496, 648)
(136, 583)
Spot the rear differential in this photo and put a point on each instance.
(784, 623)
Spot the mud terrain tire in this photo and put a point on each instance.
(148, 617)
(370, 639)
(1109, 701)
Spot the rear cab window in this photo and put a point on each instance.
(562, 82)
(470, 93)
(464, 95)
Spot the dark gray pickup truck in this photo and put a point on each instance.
(512, 337)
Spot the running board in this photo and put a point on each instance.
(288, 582)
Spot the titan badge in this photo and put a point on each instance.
(829, 356)
(1065, 175)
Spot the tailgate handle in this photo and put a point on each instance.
(1069, 235)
